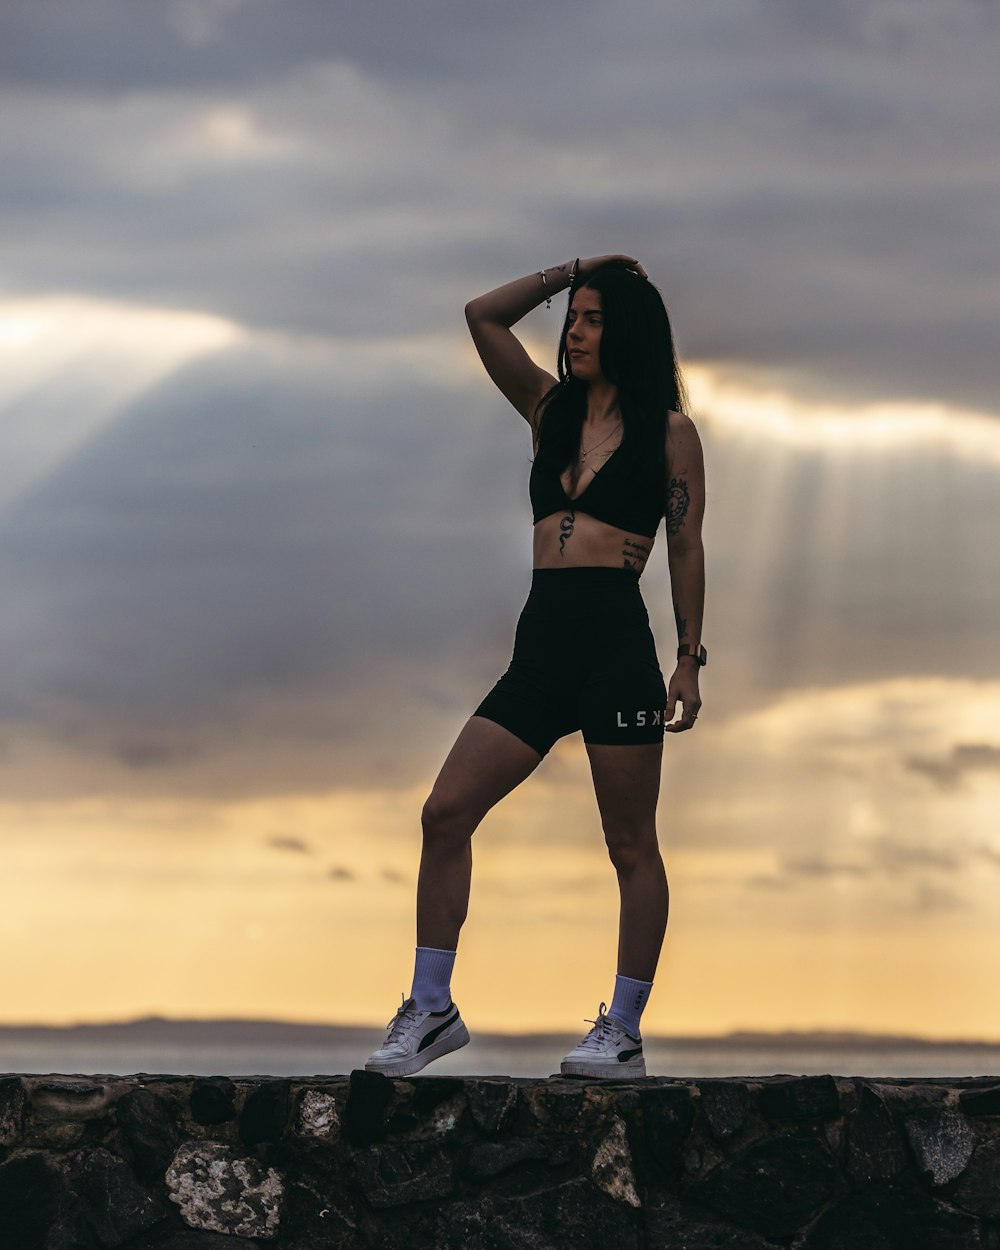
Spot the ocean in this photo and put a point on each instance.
(270, 1048)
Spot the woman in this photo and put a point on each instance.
(614, 453)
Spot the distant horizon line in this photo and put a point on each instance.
(735, 1037)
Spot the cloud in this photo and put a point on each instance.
(271, 570)
(896, 855)
(933, 898)
(283, 842)
(297, 563)
(951, 770)
(816, 193)
(817, 866)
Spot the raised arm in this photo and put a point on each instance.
(686, 558)
(491, 316)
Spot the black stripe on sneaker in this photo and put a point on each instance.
(625, 1055)
(434, 1034)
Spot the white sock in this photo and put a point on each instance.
(628, 1003)
(432, 978)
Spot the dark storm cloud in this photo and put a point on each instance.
(113, 46)
(815, 188)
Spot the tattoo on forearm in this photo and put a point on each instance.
(635, 554)
(566, 530)
(682, 625)
(678, 503)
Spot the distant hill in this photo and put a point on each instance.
(158, 1029)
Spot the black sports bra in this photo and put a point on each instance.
(619, 494)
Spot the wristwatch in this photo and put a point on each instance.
(701, 655)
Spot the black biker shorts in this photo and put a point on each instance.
(584, 658)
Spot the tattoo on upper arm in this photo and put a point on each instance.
(635, 554)
(678, 503)
(566, 530)
(682, 625)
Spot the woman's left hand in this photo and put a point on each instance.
(588, 264)
(683, 689)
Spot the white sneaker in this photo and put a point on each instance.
(416, 1037)
(607, 1050)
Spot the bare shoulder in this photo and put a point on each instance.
(680, 428)
(683, 443)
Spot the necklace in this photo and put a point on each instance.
(585, 452)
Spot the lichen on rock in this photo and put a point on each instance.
(218, 1190)
(611, 1168)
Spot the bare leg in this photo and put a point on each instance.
(627, 785)
(483, 766)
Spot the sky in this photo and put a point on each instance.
(264, 526)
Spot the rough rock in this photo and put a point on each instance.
(574, 1215)
(774, 1187)
(213, 1100)
(367, 1102)
(13, 1101)
(667, 1116)
(217, 1190)
(492, 1104)
(265, 1112)
(149, 1131)
(563, 1103)
(725, 1105)
(875, 1150)
(392, 1175)
(980, 1101)
(979, 1189)
(318, 1115)
(426, 1107)
(897, 1217)
(800, 1098)
(611, 1167)
(678, 1225)
(942, 1142)
(493, 1158)
(166, 1237)
(66, 1101)
(115, 1206)
(34, 1204)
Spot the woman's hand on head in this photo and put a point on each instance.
(627, 262)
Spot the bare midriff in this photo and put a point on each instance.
(571, 540)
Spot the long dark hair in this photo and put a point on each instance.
(637, 356)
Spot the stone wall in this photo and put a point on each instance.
(185, 1163)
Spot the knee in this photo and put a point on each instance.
(631, 844)
(444, 819)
